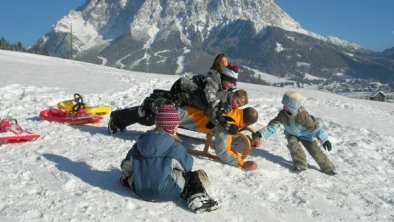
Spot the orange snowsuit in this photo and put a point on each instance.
(197, 120)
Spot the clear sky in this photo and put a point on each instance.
(369, 23)
(28, 20)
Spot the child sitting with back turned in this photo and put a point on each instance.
(158, 168)
(300, 126)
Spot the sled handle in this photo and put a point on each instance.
(6, 123)
(248, 147)
(79, 102)
(246, 139)
(78, 98)
(78, 106)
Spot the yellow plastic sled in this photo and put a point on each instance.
(77, 103)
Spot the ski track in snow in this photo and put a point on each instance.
(71, 172)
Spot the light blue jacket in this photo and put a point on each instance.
(303, 126)
(153, 157)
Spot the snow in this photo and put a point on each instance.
(71, 173)
(303, 64)
(267, 77)
(344, 76)
(312, 77)
(279, 47)
(103, 60)
(85, 35)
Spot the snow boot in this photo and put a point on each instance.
(112, 129)
(330, 172)
(195, 194)
(120, 119)
(298, 169)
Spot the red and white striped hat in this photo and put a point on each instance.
(167, 118)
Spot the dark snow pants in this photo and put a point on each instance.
(129, 116)
(143, 114)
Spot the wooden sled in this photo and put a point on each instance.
(209, 144)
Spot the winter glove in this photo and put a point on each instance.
(225, 122)
(223, 107)
(327, 145)
(209, 125)
(255, 135)
(232, 129)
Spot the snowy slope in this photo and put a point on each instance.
(71, 173)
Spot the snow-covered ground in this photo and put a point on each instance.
(71, 173)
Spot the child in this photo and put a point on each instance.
(206, 91)
(300, 126)
(145, 113)
(197, 120)
(158, 168)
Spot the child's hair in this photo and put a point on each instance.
(174, 136)
(217, 63)
(250, 116)
(242, 93)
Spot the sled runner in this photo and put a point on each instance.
(209, 143)
(78, 103)
(75, 118)
(11, 132)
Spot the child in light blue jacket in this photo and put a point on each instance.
(300, 126)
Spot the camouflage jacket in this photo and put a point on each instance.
(205, 93)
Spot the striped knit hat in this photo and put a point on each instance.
(167, 118)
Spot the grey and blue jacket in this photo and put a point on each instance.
(154, 156)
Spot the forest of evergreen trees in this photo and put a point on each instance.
(6, 45)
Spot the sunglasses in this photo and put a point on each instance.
(289, 113)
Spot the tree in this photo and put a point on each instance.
(6, 45)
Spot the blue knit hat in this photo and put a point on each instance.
(293, 101)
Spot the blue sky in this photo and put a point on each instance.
(28, 20)
(369, 23)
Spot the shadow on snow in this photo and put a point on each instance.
(105, 180)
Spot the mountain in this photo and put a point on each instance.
(174, 37)
(389, 53)
(71, 173)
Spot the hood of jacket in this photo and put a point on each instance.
(154, 143)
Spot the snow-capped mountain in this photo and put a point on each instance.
(173, 37)
(100, 21)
